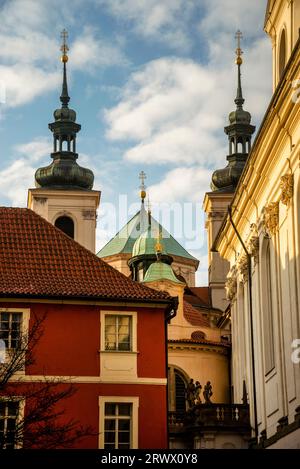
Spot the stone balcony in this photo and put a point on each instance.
(214, 417)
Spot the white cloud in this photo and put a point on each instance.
(159, 21)
(173, 110)
(36, 150)
(19, 176)
(29, 53)
(88, 52)
(181, 184)
(22, 83)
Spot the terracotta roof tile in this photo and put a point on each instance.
(202, 293)
(199, 341)
(37, 259)
(194, 316)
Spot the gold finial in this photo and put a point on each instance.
(158, 246)
(239, 52)
(142, 177)
(64, 47)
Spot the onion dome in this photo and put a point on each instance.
(239, 133)
(159, 271)
(64, 172)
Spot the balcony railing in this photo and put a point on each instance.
(226, 416)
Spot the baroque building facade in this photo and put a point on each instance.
(259, 238)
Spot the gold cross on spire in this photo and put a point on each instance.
(142, 177)
(64, 47)
(239, 52)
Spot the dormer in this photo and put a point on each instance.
(282, 24)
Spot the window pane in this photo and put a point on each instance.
(110, 409)
(124, 346)
(124, 409)
(11, 424)
(124, 446)
(109, 446)
(124, 425)
(12, 408)
(110, 320)
(124, 437)
(110, 424)
(4, 316)
(109, 437)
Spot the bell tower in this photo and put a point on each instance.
(224, 182)
(63, 193)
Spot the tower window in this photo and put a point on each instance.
(66, 225)
(282, 53)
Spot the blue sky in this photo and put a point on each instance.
(152, 82)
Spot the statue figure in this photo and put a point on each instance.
(207, 393)
(198, 388)
(190, 393)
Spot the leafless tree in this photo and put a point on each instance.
(37, 417)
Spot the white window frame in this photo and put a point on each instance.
(23, 329)
(133, 316)
(134, 401)
(20, 416)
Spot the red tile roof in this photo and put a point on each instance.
(202, 341)
(202, 293)
(37, 259)
(194, 316)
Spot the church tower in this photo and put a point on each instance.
(63, 194)
(224, 183)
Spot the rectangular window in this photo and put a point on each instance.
(10, 329)
(117, 425)
(9, 412)
(118, 335)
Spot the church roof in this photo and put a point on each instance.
(123, 241)
(160, 271)
(39, 260)
(194, 316)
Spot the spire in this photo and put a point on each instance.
(64, 173)
(149, 210)
(64, 97)
(239, 100)
(143, 193)
(239, 132)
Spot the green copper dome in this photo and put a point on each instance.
(160, 271)
(146, 242)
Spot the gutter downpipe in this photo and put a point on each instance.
(251, 322)
(170, 314)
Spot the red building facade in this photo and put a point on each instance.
(100, 332)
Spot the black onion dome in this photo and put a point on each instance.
(64, 172)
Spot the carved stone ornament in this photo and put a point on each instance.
(231, 284)
(287, 188)
(271, 217)
(253, 242)
(243, 267)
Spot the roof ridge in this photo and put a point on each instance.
(57, 262)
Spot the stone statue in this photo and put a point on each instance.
(190, 393)
(207, 393)
(198, 388)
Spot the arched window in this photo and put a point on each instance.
(179, 392)
(282, 53)
(177, 382)
(66, 225)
